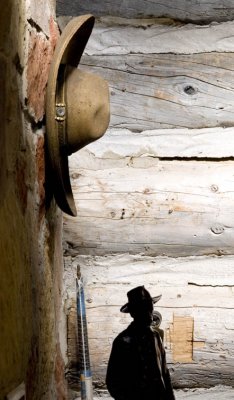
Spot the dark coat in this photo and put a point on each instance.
(137, 367)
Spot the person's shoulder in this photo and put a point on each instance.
(124, 336)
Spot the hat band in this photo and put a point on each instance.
(60, 109)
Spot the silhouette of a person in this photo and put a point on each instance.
(137, 368)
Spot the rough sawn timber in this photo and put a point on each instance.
(164, 74)
(191, 288)
(168, 90)
(207, 143)
(154, 207)
(115, 36)
(193, 10)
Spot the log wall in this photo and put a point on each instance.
(155, 195)
(194, 10)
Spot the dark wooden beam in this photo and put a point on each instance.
(194, 11)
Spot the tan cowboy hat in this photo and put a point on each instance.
(77, 107)
(136, 297)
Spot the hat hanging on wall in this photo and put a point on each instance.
(77, 107)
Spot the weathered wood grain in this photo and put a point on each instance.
(163, 75)
(112, 36)
(117, 144)
(153, 207)
(168, 90)
(116, 36)
(148, 192)
(198, 11)
(192, 289)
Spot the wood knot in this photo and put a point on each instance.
(189, 90)
(217, 229)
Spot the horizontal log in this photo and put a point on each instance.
(117, 144)
(174, 208)
(123, 36)
(191, 290)
(198, 11)
(205, 275)
(204, 376)
(168, 90)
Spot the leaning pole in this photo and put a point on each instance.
(83, 346)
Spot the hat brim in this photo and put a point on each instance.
(125, 307)
(68, 51)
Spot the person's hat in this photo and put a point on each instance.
(136, 297)
(77, 107)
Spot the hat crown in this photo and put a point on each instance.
(69, 127)
(88, 111)
(138, 294)
(139, 297)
